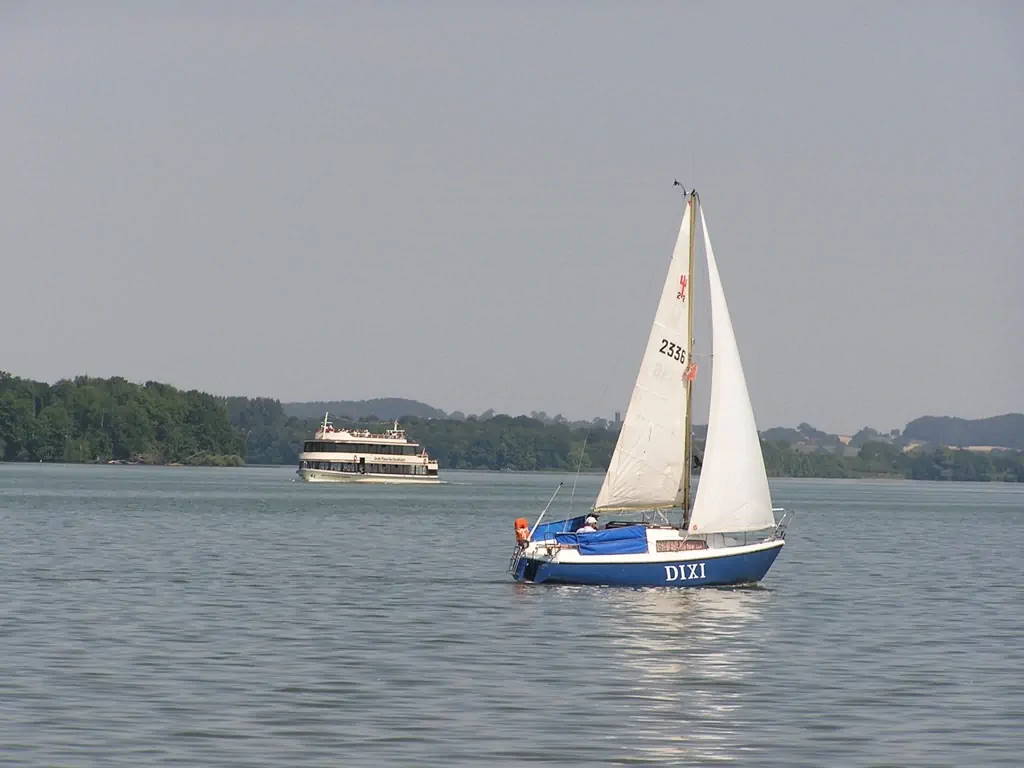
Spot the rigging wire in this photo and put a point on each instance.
(579, 466)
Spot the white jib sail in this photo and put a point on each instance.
(733, 491)
(646, 469)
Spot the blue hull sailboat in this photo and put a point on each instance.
(727, 533)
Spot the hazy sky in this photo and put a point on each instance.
(470, 204)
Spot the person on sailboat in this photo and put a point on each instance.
(589, 525)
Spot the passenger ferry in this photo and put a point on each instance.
(360, 456)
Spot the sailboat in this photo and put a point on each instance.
(725, 533)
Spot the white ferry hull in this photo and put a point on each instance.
(332, 476)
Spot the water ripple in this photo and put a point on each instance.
(161, 616)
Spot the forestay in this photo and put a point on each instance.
(733, 491)
(646, 469)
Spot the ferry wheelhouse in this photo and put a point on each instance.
(360, 456)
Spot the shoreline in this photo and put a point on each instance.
(598, 473)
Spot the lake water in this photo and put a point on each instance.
(229, 617)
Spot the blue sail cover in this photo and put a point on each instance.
(548, 530)
(629, 540)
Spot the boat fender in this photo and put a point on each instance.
(522, 531)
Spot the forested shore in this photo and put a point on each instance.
(95, 420)
(101, 420)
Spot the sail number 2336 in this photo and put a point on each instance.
(673, 350)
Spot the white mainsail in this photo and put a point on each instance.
(646, 469)
(733, 491)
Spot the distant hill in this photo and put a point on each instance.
(782, 434)
(381, 407)
(1006, 430)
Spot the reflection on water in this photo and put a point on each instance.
(688, 653)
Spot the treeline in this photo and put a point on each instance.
(271, 436)
(516, 443)
(97, 420)
(379, 407)
(523, 443)
(878, 459)
(1006, 430)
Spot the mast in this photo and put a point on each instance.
(688, 431)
